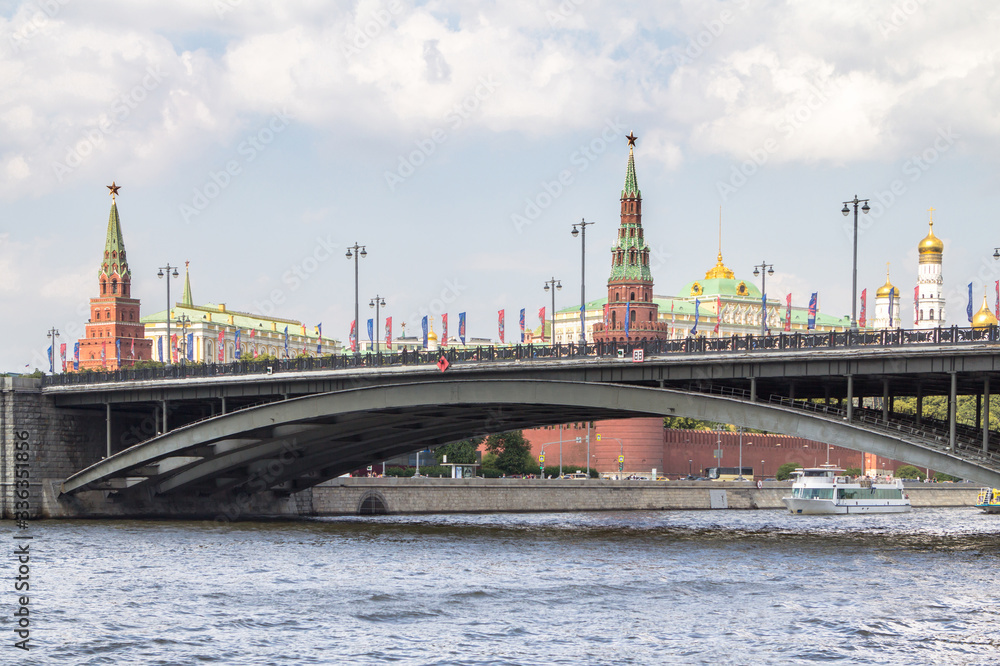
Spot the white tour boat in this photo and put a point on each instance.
(821, 490)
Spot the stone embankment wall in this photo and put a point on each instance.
(395, 495)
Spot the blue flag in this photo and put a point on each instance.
(286, 342)
(423, 327)
(190, 347)
(319, 338)
(118, 351)
(236, 351)
(763, 312)
(812, 310)
(76, 355)
(371, 334)
(628, 316)
(49, 352)
(522, 324)
(968, 310)
(461, 326)
(159, 348)
(892, 297)
(694, 329)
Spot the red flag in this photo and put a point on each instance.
(718, 313)
(173, 347)
(388, 332)
(443, 363)
(444, 329)
(222, 346)
(862, 320)
(353, 337)
(253, 342)
(788, 313)
(916, 304)
(131, 353)
(500, 319)
(998, 300)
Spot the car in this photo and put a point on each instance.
(577, 475)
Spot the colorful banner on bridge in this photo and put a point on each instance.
(286, 342)
(76, 355)
(788, 313)
(997, 312)
(718, 313)
(319, 338)
(444, 329)
(500, 323)
(892, 299)
(863, 319)
(190, 347)
(222, 346)
(371, 333)
(388, 332)
(104, 353)
(628, 317)
(968, 308)
(461, 327)
(916, 304)
(159, 348)
(813, 307)
(697, 305)
(522, 324)
(423, 328)
(236, 349)
(48, 353)
(62, 355)
(253, 341)
(353, 337)
(118, 352)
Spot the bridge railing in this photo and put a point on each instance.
(526, 352)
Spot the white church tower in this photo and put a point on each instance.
(930, 294)
(886, 295)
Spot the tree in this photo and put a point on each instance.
(785, 471)
(459, 452)
(941, 477)
(512, 450)
(852, 471)
(909, 472)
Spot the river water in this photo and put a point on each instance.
(744, 587)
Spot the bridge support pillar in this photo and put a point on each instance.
(920, 403)
(223, 404)
(753, 389)
(986, 415)
(952, 408)
(850, 397)
(885, 401)
(163, 411)
(107, 425)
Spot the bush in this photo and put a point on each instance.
(785, 471)
(399, 471)
(941, 477)
(852, 471)
(909, 472)
(490, 472)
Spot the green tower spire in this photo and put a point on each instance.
(186, 298)
(114, 260)
(631, 185)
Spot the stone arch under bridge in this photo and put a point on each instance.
(293, 444)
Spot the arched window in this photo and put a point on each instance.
(921, 314)
(631, 296)
(614, 319)
(114, 286)
(932, 315)
(97, 315)
(104, 287)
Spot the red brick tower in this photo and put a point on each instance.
(114, 329)
(630, 287)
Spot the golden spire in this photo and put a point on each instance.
(931, 245)
(720, 270)
(984, 317)
(887, 288)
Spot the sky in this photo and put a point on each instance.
(459, 141)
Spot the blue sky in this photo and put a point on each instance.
(269, 133)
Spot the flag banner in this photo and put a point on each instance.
(319, 338)
(353, 337)
(813, 306)
(968, 309)
(522, 324)
(131, 351)
(541, 318)
(190, 347)
(997, 313)
(461, 327)
(788, 313)
(62, 355)
(76, 355)
(763, 314)
(697, 305)
(286, 342)
(500, 323)
(388, 332)
(222, 346)
(118, 351)
(423, 328)
(444, 329)
(237, 353)
(104, 353)
(48, 352)
(916, 305)
(371, 333)
(253, 341)
(159, 348)
(671, 319)
(173, 347)
(863, 319)
(892, 298)
(718, 313)
(605, 317)
(628, 317)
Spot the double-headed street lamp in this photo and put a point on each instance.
(54, 334)
(184, 321)
(359, 251)
(169, 275)
(583, 279)
(854, 282)
(554, 284)
(763, 269)
(377, 302)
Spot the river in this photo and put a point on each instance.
(744, 587)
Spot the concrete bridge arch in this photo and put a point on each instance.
(293, 444)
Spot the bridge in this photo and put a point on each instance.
(286, 426)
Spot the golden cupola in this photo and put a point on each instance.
(719, 270)
(885, 290)
(984, 318)
(931, 247)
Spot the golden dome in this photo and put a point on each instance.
(984, 317)
(719, 270)
(431, 335)
(931, 244)
(886, 289)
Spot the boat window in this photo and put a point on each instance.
(869, 493)
(813, 493)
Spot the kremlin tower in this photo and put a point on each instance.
(930, 296)
(886, 305)
(630, 315)
(114, 335)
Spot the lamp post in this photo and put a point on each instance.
(763, 269)
(54, 334)
(689, 467)
(854, 280)
(169, 275)
(762, 468)
(555, 285)
(376, 303)
(359, 251)
(184, 321)
(583, 279)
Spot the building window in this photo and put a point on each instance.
(114, 286)
(631, 296)
(921, 314)
(931, 317)
(97, 314)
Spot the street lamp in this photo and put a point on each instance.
(583, 279)
(169, 275)
(376, 303)
(54, 334)
(556, 284)
(996, 253)
(763, 269)
(854, 281)
(359, 251)
(184, 322)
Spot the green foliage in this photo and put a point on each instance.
(941, 477)
(490, 460)
(38, 374)
(399, 471)
(909, 472)
(684, 423)
(459, 452)
(490, 472)
(785, 471)
(143, 365)
(513, 452)
(852, 471)
(435, 470)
